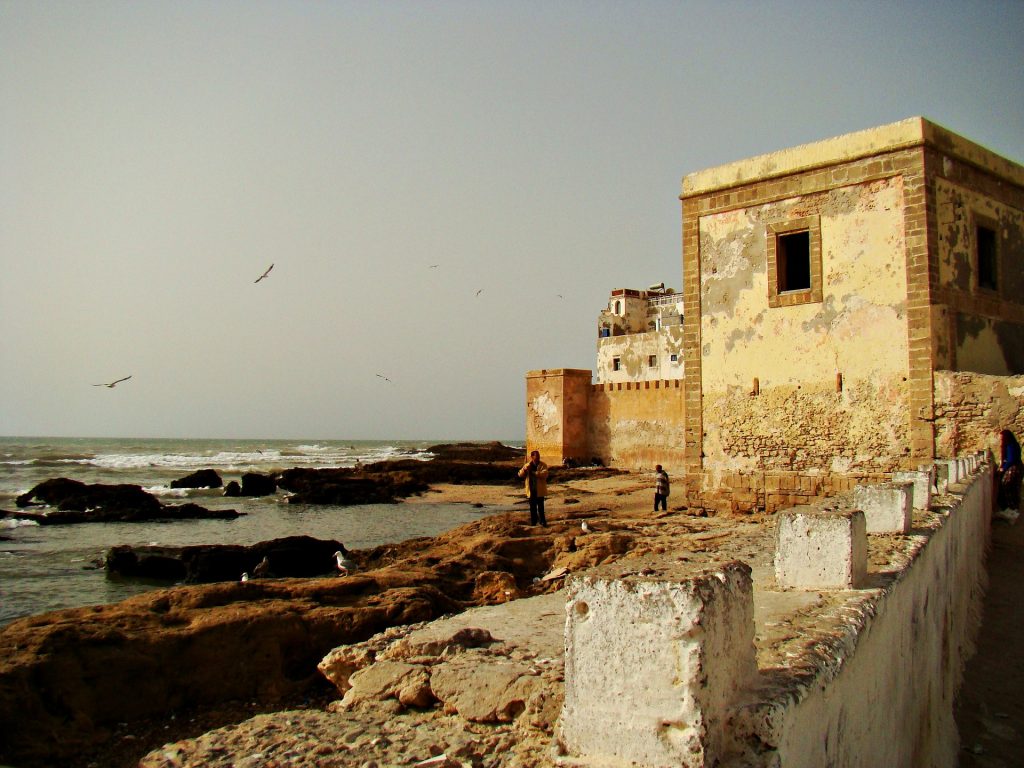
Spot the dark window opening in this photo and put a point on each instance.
(616, 363)
(986, 258)
(793, 260)
(652, 361)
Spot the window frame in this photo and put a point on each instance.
(813, 294)
(980, 221)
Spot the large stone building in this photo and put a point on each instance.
(853, 307)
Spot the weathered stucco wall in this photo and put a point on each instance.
(971, 409)
(985, 341)
(634, 352)
(801, 419)
(635, 426)
(556, 413)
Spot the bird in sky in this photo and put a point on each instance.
(480, 291)
(382, 376)
(559, 295)
(113, 384)
(433, 266)
(261, 277)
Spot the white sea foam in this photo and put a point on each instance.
(14, 523)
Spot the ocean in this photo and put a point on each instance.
(44, 568)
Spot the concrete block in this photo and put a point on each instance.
(821, 549)
(922, 484)
(888, 508)
(655, 658)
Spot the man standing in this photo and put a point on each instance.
(536, 473)
(660, 488)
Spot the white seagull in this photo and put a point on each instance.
(382, 376)
(345, 565)
(113, 383)
(584, 527)
(245, 577)
(261, 277)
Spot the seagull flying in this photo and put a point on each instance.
(382, 376)
(433, 266)
(113, 384)
(345, 565)
(480, 291)
(265, 273)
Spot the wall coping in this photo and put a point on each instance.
(904, 134)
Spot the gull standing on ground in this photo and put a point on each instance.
(261, 277)
(584, 527)
(245, 577)
(113, 384)
(345, 564)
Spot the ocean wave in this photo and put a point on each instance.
(10, 522)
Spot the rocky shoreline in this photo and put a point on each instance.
(72, 680)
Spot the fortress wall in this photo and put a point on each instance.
(636, 425)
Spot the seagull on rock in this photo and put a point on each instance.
(345, 564)
(245, 577)
(584, 527)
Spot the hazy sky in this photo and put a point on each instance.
(156, 157)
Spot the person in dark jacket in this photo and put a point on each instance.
(661, 488)
(1009, 473)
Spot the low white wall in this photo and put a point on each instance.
(876, 689)
(888, 700)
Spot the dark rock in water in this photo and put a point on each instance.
(204, 478)
(255, 484)
(293, 556)
(71, 501)
(114, 515)
(348, 486)
(233, 489)
(72, 495)
(492, 451)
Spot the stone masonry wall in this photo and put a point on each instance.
(971, 408)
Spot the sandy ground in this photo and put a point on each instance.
(990, 713)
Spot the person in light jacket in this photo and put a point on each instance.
(536, 473)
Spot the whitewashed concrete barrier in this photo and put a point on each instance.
(821, 548)
(888, 508)
(659, 666)
(654, 661)
(922, 482)
(884, 691)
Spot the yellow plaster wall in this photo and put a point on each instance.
(799, 420)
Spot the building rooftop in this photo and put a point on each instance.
(911, 132)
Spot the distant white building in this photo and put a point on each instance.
(640, 336)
